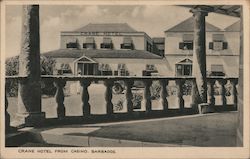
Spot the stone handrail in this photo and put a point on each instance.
(85, 81)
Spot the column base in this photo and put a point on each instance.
(31, 119)
(205, 108)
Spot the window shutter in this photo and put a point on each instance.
(84, 45)
(225, 45)
(116, 73)
(211, 45)
(102, 45)
(191, 46)
(126, 73)
(181, 45)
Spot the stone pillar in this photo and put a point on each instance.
(29, 93)
(199, 55)
(239, 140)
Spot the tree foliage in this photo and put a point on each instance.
(12, 69)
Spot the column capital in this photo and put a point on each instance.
(200, 10)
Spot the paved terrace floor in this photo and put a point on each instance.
(217, 129)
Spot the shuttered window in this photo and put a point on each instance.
(107, 43)
(71, 45)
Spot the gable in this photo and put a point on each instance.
(185, 61)
(234, 27)
(85, 59)
(188, 26)
(106, 27)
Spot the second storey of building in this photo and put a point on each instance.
(106, 36)
(180, 40)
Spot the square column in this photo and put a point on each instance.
(29, 92)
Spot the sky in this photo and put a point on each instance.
(152, 19)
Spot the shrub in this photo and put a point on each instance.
(155, 90)
(12, 69)
(119, 105)
(136, 100)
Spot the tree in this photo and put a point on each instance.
(12, 69)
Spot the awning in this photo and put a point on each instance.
(160, 47)
(107, 40)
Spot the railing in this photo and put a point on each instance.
(108, 81)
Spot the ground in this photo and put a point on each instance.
(216, 130)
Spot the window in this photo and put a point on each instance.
(107, 43)
(89, 43)
(71, 45)
(218, 42)
(184, 68)
(105, 69)
(149, 70)
(217, 70)
(187, 43)
(127, 43)
(64, 69)
(85, 68)
(122, 70)
(149, 47)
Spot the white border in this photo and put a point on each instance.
(157, 152)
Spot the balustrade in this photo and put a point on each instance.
(60, 82)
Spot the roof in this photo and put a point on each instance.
(75, 53)
(234, 27)
(158, 40)
(188, 25)
(106, 27)
(231, 10)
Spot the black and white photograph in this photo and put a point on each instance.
(94, 79)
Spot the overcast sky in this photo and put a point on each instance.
(153, 20)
